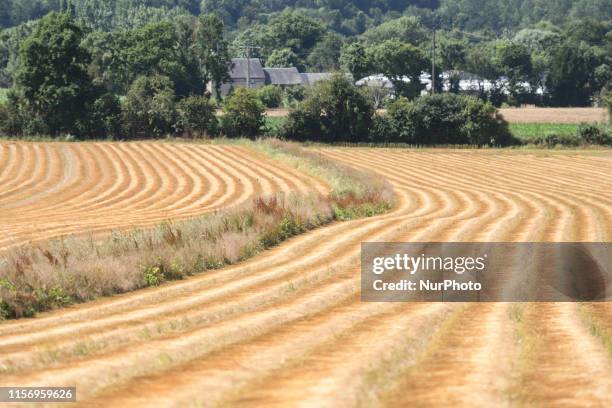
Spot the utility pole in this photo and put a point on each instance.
(248, 49)
(433, 63)
(248, 53)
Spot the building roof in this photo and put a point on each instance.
(377, 81)
(283, 76)
(310, 78)
(240, 68)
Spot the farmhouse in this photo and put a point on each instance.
(241, 70)
(258, 76)
(283, 76)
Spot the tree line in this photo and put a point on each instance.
(141, 82)
(135, 88)
(530, 51)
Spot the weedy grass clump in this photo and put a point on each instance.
(354, 193)
(67, 270)
(74, 269)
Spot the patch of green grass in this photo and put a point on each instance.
(528, 131)
(273, 123)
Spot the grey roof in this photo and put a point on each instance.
(239, 68)
(310, 78)
(283, 76)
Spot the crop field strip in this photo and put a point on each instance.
(54, 189)
(287, 327)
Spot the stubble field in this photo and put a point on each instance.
(287, 327)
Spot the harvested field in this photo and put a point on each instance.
(555, 115)
(52, 189)
(287, 327)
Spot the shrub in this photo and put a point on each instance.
(196, 117)
(243, 114)
(381, 130)
(335, 110)
(592, 134)
(303, 123)
(555, 139)
(149, 108)
(106, 116)
(17, 120)
(447, 119)
(53, 74)
(401, 122)
(293, 95)
(9, 120)
(485, 125)
(270, 96)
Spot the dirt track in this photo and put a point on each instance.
(287, 327)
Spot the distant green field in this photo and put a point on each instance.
(273, 123)
(522, 131)
(528, 131)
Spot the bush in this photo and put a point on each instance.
(554, 139)
(447, 119)
(401, 122)
(270, 96)
(149, 108)
(17, 120)
(196, 117)
(243, 114)
(592, 134)
(485, 125)
(293, 95)
(335, 110)
(381, 130)
(106, 116)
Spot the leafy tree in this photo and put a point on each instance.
(243, 114)
(447, 119)
(571, 74)
(270, 96)
(118, 58)
(287, 30)
(325, 55)
(283, 58)
(196, 117)
(514, 61)
(335, 110)
(537, 39)
(53, 74)
(406, 29)
(149, 108)
(355, 60)
(211, 50)
(106, 117)
(402, 63)
(480, 60)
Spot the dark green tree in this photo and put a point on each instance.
(514, 62)
(335, 110)
(283, 58)
(211, 50)
(355, 60)
(149, 109)
(402, 63)
(53, 74)
(571, 74)
(243, 114)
